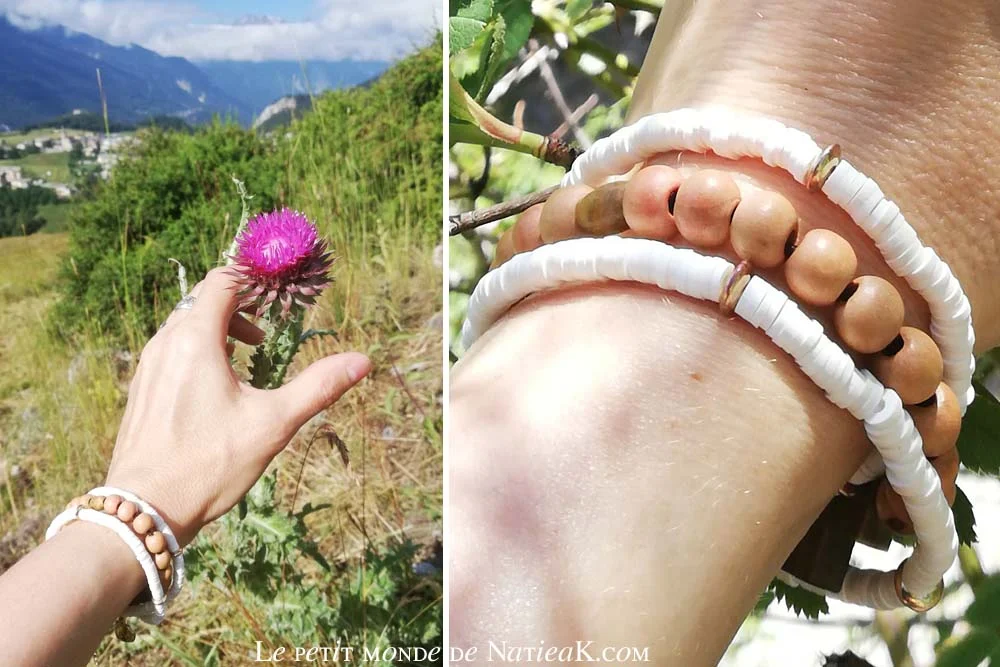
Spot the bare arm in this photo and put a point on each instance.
(629, 467)
(193, 440)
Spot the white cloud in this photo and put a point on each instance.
(369, 30)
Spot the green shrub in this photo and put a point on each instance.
(363, 156)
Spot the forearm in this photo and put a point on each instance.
(631, 469)
(626, 465)
(72, 587)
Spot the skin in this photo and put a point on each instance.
(651, 463)
(193, 440)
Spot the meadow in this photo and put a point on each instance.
(53, 167)
(341, 540)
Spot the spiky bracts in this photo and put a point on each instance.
(281, 259)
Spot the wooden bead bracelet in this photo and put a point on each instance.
(762, 226)
(917, 583)
(141, 527)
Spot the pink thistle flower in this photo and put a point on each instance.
(280, 257)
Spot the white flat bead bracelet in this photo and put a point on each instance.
(732, 135)
(153, 611)
(685, 271)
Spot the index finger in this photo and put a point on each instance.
(218, 298)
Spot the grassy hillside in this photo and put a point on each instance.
(49, 166)
(366, 165)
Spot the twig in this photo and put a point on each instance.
(472, 219)
(581, 111)
(545, 70)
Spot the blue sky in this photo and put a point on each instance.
(230, 29)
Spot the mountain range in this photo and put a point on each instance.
(49, 71)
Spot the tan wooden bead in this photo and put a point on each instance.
(764, 227)
(891, 509)
(911, 365)
(649, 199)
(111, 504)
(946, 467)
(142, 524)
(167, 577)
(84, 500)
(162, 559)
(868, 314)
(525, 234)
(704, 207)
(127, 511)
(504, 249)
(600, 212)
(155, 542)
(890, 506)
(820, 267)
(938, 423)
(96, 503)
(558, 220)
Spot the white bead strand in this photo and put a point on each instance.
(888, 425)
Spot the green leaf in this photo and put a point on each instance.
(800, 600)
(980, 435)
(462, 32)
(481, 10)
(965, 518)
(984, 611)
(494, 57)
(520, 21)
(970, 650)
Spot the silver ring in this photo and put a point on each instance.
(187, 303)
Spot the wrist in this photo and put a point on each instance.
(112, 565)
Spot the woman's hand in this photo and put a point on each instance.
(194, 437)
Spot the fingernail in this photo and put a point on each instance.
(358, 367)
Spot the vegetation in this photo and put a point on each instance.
(19, 209)
(338, 543)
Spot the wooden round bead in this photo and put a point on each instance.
(84, 500)
(764, 227)
(868, 314)
(558, 220)
(946, 467)
(155, 542)
(525, 234)
(911, 365)
(162, 560)
(142, 524)
(600, 212)
(938, 423)
(820, 267)
(891, 509)
(96, 503)
(167, 577)
(504, 249)
(705, 205)
(127, 511)
(649, 200)
(111, 504)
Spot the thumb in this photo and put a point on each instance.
(318, 387)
